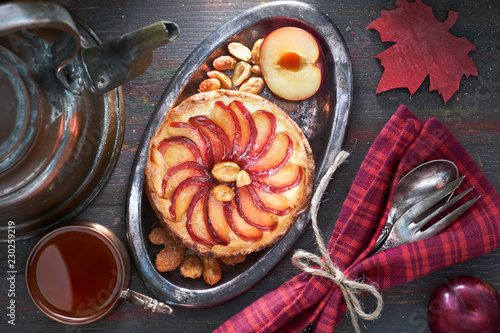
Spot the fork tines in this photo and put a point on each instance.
(423, 205)
(429, 202)
(446, 220)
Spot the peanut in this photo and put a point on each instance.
(224, 63)
(225, 80)
(256, 51)
(239, 51)
(209, 84)
(225, 171)
(243, 178)
(223, 193)
(256, 70)
(253, 85)
(242, 72)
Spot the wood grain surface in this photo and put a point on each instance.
(472, 114)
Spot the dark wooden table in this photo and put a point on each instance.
(472, 114)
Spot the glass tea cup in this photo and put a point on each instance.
(80, 272)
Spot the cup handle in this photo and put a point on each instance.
(145, 301)
(48, 20)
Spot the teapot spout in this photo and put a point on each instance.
(118, 61)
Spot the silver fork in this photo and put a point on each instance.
(408, 228)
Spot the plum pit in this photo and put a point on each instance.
(290, 61)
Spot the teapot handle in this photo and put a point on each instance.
(48, 20)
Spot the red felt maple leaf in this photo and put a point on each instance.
(424, 46)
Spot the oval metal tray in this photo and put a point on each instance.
(323, 119)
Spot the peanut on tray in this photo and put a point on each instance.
(243, 66)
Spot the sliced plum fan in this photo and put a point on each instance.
(255, 159)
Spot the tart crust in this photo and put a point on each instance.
(299, 196)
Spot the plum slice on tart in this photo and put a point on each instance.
(228, 173)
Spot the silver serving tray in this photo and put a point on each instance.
(323, 119)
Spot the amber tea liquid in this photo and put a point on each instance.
(75, 273)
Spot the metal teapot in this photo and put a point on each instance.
(62, 110)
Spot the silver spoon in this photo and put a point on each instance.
(413, 187)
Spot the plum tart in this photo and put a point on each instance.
(228, 173)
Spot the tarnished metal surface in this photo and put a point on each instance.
(71, 151)
(118, 61)
(323, 118)
(61, 129)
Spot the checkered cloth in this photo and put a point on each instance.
(403, 143)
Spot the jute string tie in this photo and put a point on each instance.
(327, 269)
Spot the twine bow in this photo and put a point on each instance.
(327, 269)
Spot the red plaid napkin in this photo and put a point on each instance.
(403, 143)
